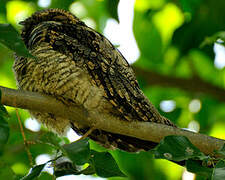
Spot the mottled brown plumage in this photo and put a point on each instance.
(77, 65)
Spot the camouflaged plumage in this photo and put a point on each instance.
(77, 65)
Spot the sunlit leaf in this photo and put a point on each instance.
(105, 165)
(89, 170)
(166, 26)
(35, 172)
(11, 38)
(98, 12)
(19, 10)
(79, 151)
(177, 148)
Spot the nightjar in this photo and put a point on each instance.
(79, 66)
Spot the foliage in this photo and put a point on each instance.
(101, 163)
(4, 127)
(11, 38)
(175, 148)
(175, 38)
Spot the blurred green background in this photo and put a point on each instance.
(162, 39)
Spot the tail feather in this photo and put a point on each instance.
(113, 141)
(122, 142)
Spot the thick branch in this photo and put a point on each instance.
(142, 130)
(193, 85)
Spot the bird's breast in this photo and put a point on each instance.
(58, 75)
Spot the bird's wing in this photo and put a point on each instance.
(107, 67)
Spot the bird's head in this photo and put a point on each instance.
(50, 16)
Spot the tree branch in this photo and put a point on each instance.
(142, 130)
(193, 85)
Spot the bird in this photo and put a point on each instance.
(79, 66)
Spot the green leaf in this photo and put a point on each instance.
(197, 167)
(89, 170)
(198, 27)
(219, 171)
(148, 39)
(111, 6)
(6, 171)
(79, 151)
(35, 172)
(65, 168)
(11, 38)
(177, 148)
(45, 176)
(214, 39)
(3, 112)
(190, 5)
(52, 139)
(105, 165)
(98, 12)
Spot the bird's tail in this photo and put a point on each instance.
(122, 142)
(116, 141)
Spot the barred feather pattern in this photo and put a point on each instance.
(79, 66)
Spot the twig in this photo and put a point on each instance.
(87, 133)
(142, 130)
(24, 139)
